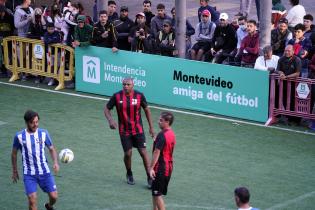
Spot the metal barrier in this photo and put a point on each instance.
(284, 100)
(23, 55)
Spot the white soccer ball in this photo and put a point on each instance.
(66, 156)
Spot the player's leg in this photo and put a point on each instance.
(140, 144)
(158, 203)
(126, 143)
(32, 201)
(30, 186)
(48, 185)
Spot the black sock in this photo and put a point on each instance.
(129, 172)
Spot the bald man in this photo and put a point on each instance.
(128, 103)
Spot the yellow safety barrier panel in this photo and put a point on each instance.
(23, 55)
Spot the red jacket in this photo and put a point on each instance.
(251, 45)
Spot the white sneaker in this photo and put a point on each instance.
(51, 82)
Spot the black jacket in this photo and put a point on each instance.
(97, 39)
(123, 27)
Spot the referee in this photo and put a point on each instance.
(128, 103)
(162, 161)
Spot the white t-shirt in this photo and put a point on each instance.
(295, 15)
(262, 64)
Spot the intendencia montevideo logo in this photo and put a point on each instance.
(91, 69)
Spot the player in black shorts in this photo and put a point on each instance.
(128, 103)
(162, 161)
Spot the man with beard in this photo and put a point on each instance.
(123, 26)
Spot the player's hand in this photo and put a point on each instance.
(152, 133)
(56, 168)
(112, 124)
(15, 176)
(152, 174)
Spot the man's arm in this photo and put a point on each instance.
(53, 155)
(111, 121)
(15, 173)
(155, 158)
(149, 118)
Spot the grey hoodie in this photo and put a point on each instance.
(21, 20)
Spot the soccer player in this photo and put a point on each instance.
(241, 195)
(128, 104)
(162, 161)
(32, 142)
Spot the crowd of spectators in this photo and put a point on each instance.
(218, 38)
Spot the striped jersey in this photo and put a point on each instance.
(32, 146)
(165, 142)
(129, 111)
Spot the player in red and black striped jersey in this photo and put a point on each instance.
(128, 103)
(162, 161)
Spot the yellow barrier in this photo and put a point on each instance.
(23, 55)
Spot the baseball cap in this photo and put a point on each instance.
(140, 14)
(206, 12)
(283, 20)
(81, 18)
(224, 16)
(167, 22)
(124, 8)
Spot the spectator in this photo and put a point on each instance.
(280, 37)
(88, 19)
(204, 32)
(104, 33)
(241, 32)
(82, 33)
(295, 14)
(242, 196)
(309, 27)
(6, 23)
(123, 26)
(301, 47)
(140, 35)
(268, 61)
(189, 30)
(6, 29)
(234, 23)
(224, 40)
(7, 5)
(69, 23)
(289, 66)
(148, 13)
(205, 6)
(250, 46)
(23, 18)
(157, 21)
(56, 17)
(52, 36)
(278, 12)
(166, 40)
(111, 11)
(245, 6)
(38, 25)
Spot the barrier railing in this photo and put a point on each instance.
(23, 55)
(290, 97)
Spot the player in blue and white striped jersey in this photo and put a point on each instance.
(32, 142)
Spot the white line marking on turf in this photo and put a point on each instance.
(2, 123)
(289, 202)
(172, 206)
(165, 109)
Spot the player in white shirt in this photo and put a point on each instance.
(32, 142)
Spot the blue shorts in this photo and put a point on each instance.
(46, 182)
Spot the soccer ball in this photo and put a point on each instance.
(66, 156)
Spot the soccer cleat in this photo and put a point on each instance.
(49, 207)
(130, 179)
(149, 183)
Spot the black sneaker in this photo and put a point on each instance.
(130, 179)
(149, 183)
(49, 208)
